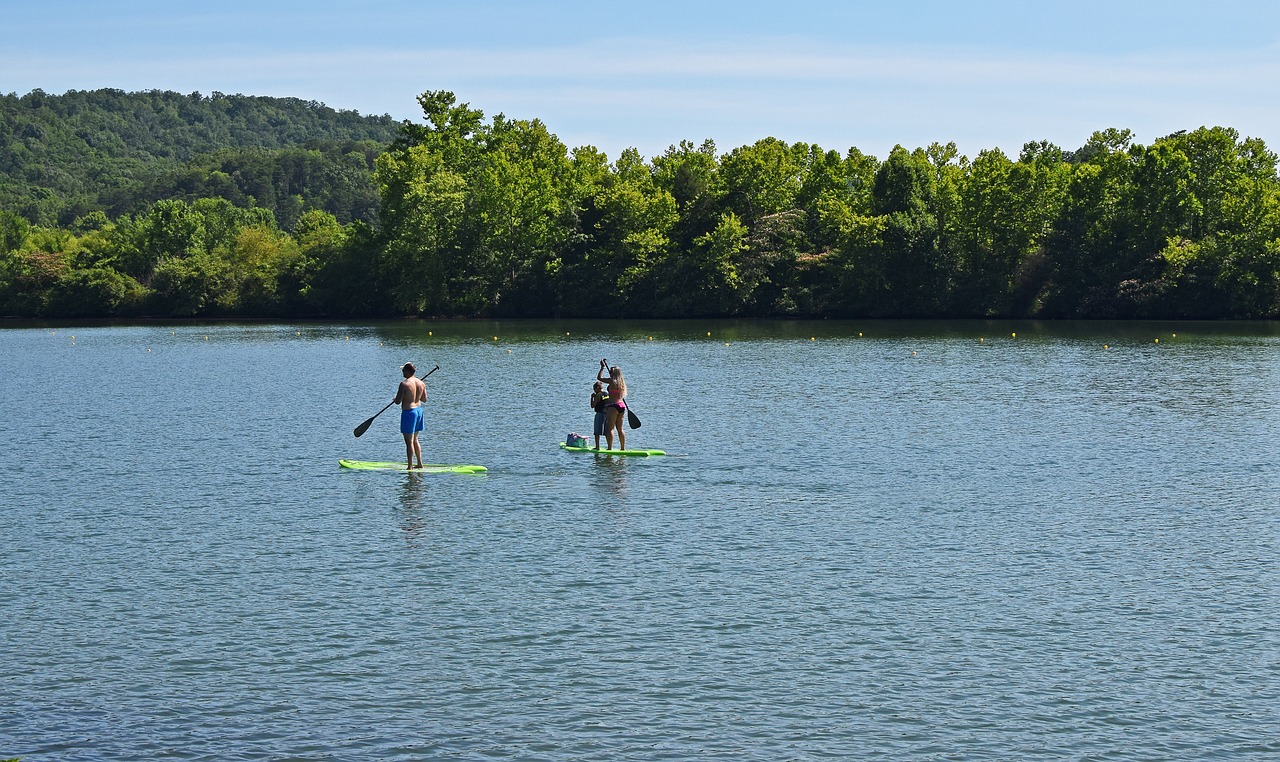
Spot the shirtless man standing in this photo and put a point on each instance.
(411, 396)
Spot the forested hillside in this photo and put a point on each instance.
(496, 216)
(63, 156)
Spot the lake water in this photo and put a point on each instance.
(871, 540)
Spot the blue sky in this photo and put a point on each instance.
(985, 73)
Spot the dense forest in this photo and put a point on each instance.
(64, 156)
(199, 212)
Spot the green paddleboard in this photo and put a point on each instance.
(427, 468)
(564, 446)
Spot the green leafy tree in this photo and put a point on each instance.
(628, 242)
(523, 215)
(425, 185)
(424, 207)
(692, 177)
(95, 292)
(1006, 209)
(904, 272)
(711, 283)
(200, 284)
(1088, 253)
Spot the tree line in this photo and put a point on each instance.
(471, 216)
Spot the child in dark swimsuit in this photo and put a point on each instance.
(599, 400)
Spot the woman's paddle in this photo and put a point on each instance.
(633, 420)
(362, 428)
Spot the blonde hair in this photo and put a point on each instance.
(615, 374)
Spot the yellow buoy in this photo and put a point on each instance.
(859, 334)
(1175, 336)
(650, 338)
(708, 333)
(1157, 341)
(1106, 346)
(428, 333)
(495, 338)
(1015, 334)
(811, 338)
(726, 343)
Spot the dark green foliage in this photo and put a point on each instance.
(162, 204)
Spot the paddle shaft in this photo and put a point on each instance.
(362, 428)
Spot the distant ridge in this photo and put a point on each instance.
(64, 155)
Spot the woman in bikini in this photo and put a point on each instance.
(615, 409)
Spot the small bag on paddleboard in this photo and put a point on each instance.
(575, 440)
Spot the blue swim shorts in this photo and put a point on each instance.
(411, 421)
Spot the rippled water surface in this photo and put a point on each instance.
(870, 541)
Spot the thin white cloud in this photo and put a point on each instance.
(650, 93)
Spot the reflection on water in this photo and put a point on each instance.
(610, 473)
(412, 513)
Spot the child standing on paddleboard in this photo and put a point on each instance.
(599, 400)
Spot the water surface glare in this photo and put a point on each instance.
(871, 540)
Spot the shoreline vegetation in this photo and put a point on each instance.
(162, 205)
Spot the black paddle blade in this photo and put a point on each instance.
(632, 419)
(362, 428)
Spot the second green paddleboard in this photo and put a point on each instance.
(566, 447)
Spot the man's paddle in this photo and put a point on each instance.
(362, 428)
